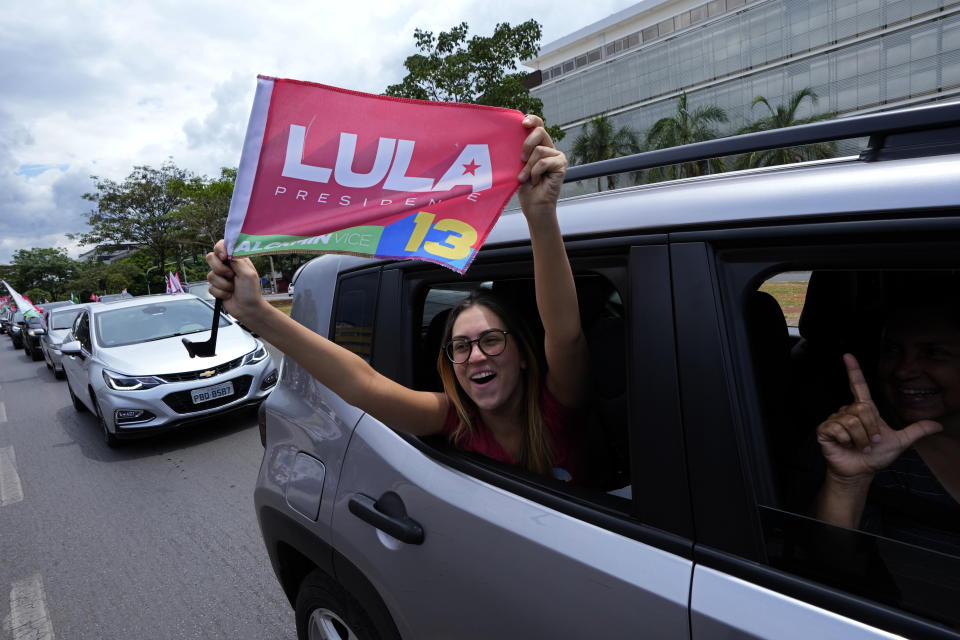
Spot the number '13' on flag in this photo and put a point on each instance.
(329, 170)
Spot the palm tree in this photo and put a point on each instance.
(686, 127)
(786, 116)
(599, 141)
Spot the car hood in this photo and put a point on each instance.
(168, 355)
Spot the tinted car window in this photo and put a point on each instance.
(81, 331)
(356, 306)
(905, 550)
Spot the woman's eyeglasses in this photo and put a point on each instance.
(491, 342)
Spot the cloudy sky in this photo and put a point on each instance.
(96, 88)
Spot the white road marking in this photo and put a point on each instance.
(29, 619)
(3, 413)
(10, 489)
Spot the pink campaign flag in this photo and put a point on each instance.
(330, 170)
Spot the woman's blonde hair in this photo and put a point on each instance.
(537, 455)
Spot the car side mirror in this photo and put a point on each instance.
(71, 348)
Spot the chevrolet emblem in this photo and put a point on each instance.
(207, 373)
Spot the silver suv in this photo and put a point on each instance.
(717, 310)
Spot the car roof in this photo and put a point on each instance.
(73, 307)
(136, 301)
(798, 192)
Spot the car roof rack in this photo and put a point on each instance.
(921, 131)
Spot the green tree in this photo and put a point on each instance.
(38, 296)
(48, 269)
(600, 141)
(203, 215)
(450, 67)
(685, 127)
(785, 115)
(140, 211)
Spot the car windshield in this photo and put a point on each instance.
(201, 290)
(146, 322)
(64, 319)
(114, 296)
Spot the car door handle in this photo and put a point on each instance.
(387, 514)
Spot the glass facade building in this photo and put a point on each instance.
(857, 55)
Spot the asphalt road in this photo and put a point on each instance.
(155, 540)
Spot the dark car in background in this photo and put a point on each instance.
(6, 318)
(33, 331)
(15, 329)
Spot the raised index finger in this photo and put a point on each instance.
(858, 384)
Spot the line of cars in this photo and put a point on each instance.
(124, 361)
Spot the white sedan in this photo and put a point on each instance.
(126, 363)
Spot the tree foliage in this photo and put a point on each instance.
(46, 269)
(100, 278)
(450, 67)
(203, 215)
(785, 115)
(38, 296)
(600, 141)
(140, 210)
(685, 127)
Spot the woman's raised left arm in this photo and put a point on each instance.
(564, 343)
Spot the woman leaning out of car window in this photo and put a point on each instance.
(497, 399)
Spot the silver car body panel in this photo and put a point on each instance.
(303, 414)
(538, 572)
(722, 606)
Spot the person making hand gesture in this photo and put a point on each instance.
(919, 378)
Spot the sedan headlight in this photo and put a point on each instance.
(36, 332)
(120, 382)
(256, 355)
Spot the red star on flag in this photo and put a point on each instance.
(471, 168)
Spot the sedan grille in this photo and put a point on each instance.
(196, 375)
(182, 401)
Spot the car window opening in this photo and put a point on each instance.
(602, 442)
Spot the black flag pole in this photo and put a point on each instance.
(207, 348)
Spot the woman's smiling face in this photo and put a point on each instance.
(493, 383)
(919, 365)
